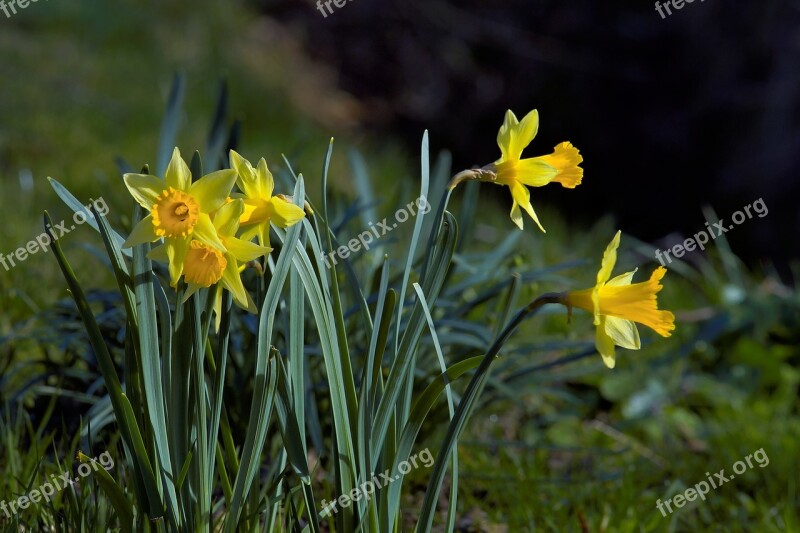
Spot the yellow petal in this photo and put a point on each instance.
(247, 179)
(605, 345)
(142, 233)
(263, 234)
(522, 198)
(178, 175)
(524, 133)
(266, 182)
(622, 279)
(609, 260)
(205, 232)
(504, 136)
(144, 188)
(245, 251)
(285, 213)
(211, 191)
(250, 232)
(176, 253)
(217, 309)
(623, 332)
(191, 289)
(226, 219)
(233, 282)
(534, 172)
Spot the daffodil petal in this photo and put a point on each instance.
(524, 133)
(605, 345)
(176, 254)
(263, 234)
(142, 233)
(609, 260)
(217, 309)
(144, 188)
(191, 289)
(285, 213)
(534, 172)
(622, 279)
(212, 190)
(266, 182)
(245, 251)
(226, 219)
(504, 136)
(247, 180)
(178, 175)
(250, 232)
(623, 332)
(232, 281)
(522, 197)
(205, 232)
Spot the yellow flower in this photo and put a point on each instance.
(205, 266)
(179, 210)
(516, 173)
(260, 206)
(617, 304)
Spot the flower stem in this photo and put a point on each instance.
(467, 403)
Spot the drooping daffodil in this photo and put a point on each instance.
(516, 173)
(617, 304)
(179, 211)
(260, 206)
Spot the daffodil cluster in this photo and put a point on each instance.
(206, 228)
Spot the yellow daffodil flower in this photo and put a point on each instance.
(518, 174)
(260, 206)
(205, 265)
(179, 211)
(617, 304)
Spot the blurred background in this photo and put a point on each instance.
(700, 108)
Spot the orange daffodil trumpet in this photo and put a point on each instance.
(260, 206)
(516, 173)
(198, 223)
(617, 304)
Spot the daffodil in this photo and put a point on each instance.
(617, 304)
(260, 206)
(179, 211)
(205, 265)
(518, 174)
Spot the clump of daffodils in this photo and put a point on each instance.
(206, 228)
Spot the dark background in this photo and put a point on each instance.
(698, 108)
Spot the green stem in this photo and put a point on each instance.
(467, 402)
